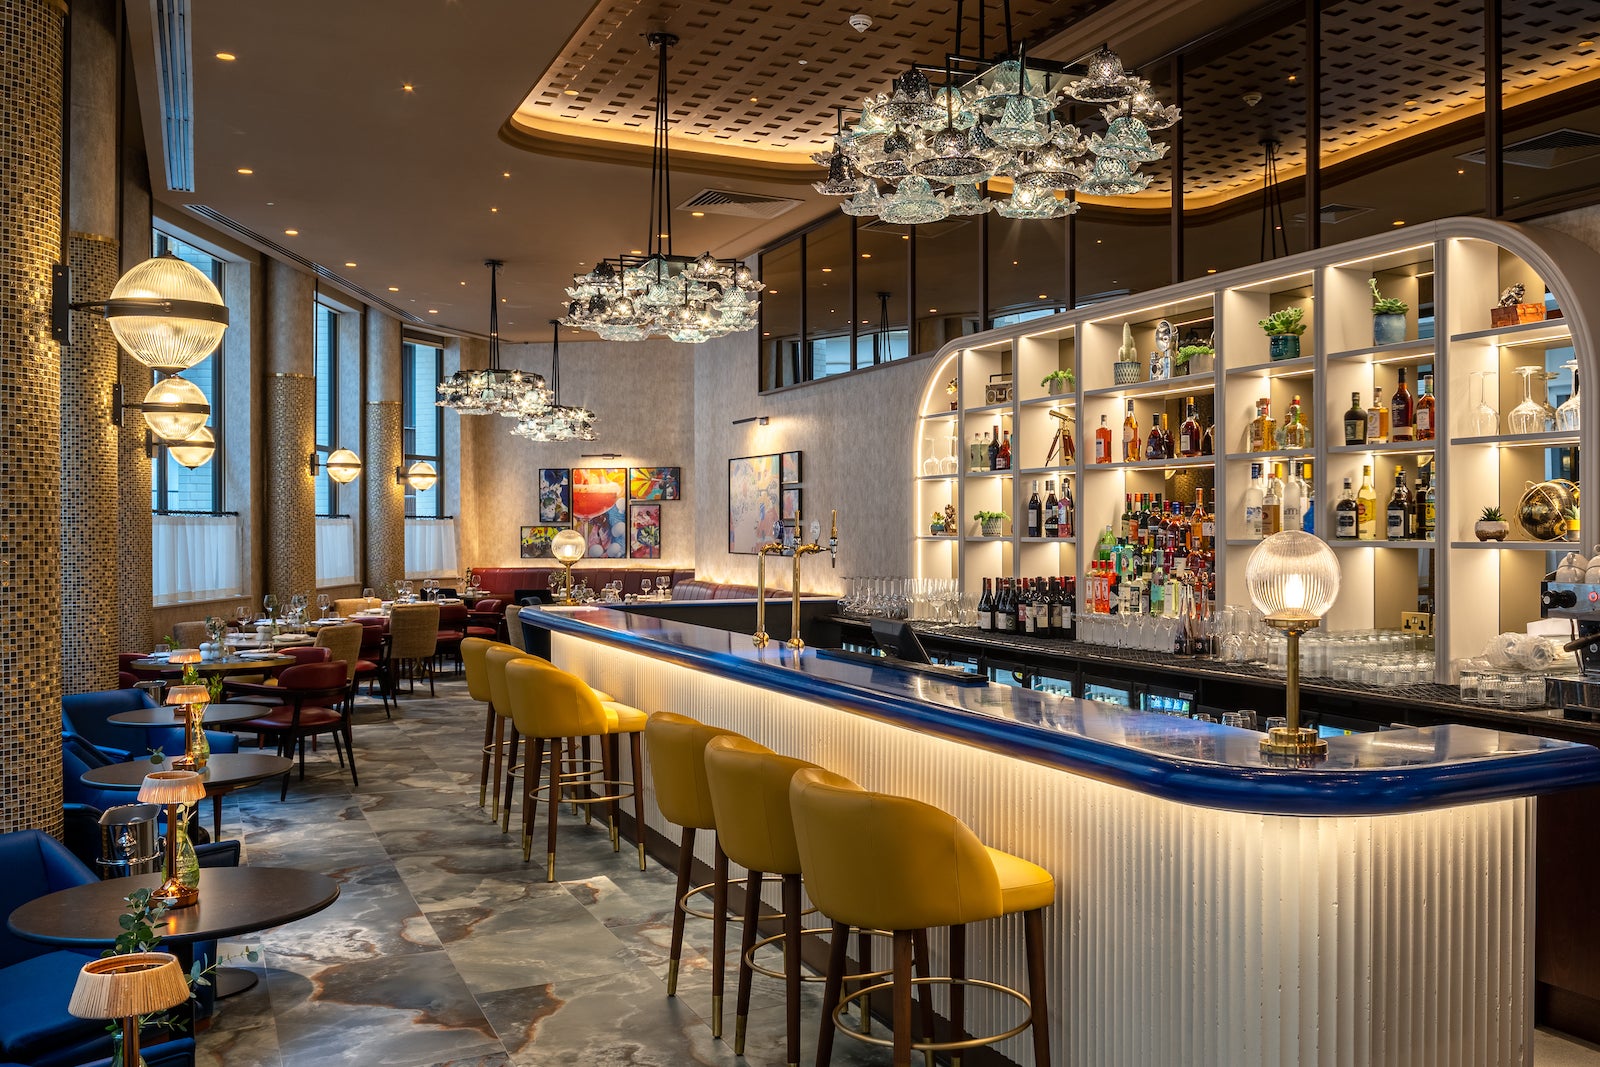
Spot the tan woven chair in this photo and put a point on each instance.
(343, 642)
(189, 634)
(348, 607)
(413, 640)
(514, 626)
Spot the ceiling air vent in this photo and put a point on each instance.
(1548, 150)
(174, 87)
(1334, 213)
(744, 205)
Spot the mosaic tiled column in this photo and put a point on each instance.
(135, 587)
(290, 434)
(30, 418)
(385, 555)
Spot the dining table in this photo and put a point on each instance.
(223, 773)
(234, 664)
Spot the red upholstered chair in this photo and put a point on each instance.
(244, 691)
(487, 619)
(453, 620)
(373, 664)
(314, 701)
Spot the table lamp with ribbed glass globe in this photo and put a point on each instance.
(1293, 580)
(568, 547)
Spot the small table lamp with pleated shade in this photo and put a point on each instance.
(125, 987)
(191, 701)
(176, 789)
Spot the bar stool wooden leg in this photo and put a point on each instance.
(747, 941)
(511, 778)
(612, 745)
(833, 983)
(922, 965)
(554, 811)
(530, 783)
(791, 965)
(864, 954)
(1033, 939)
(958, 992)
(685, 864)
(719, 935)
(638, 793)
(483, 777)
(588, 789)
(902, 998)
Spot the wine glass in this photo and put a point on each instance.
(663, 584)
(1485, 417)
(1528, 416)
(645, 586)
(930, 465)
(324, 601)
(243, 614)
(270, 603)
(1567, 415)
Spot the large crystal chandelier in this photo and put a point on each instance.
(494, 390)
(558, 422)
(632, 297)
(919, 154)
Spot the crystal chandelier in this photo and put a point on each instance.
(633, 297)
(558, 422)
(918, 154)
(494, 390)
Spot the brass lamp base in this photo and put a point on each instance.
(1294, 741)
(175, 894)
(568, 600)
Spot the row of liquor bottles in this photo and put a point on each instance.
(1402, 418)
(1035, 607)
(1158, 558)
(1052, 516)
(1409, 515)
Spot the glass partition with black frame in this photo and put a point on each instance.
(1027, 269)
(882, 278)
(828, 298)
(422, 365)
(948, 292)
(781, 324)
(1550, 109)
(325, 333)
(174, 487)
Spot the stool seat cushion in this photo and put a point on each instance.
(621, 719)
(1024, 886)
(284, 718)
(602, 696)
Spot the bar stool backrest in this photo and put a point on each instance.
(750, 797)
(475, 658)
(546, 701)
(677, 748)
(495, 659)
(887, 862)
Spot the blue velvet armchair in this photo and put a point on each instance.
(84, 715)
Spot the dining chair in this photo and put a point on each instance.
(373, 666)
(190, 634)
(413, 640)
(484, 620)
(314, 702)
(343, 642)
(452, 628)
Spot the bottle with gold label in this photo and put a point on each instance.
(1367, 507)
(1295, 432)
(1132, 447)
(1263, 428)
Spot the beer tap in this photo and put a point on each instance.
(795, 641)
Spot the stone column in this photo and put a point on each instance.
(89, 363)
(290, 433)
(385, 520)
(30, 419)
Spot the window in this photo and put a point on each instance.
(325, 329)
(174, 487)
(422, 365)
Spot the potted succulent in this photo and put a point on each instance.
(1491, 526)
(1570, 530)
(1388, 317)
(1195, 359)
(1058, 382)
(1283, 329)
(936, 523)
(989, 522)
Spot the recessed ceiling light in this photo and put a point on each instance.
(1398, 222)
(827, 270)
(408, 87)
(433, 311)
(349, 263)
(698, 214)
(1044, 296)
(1461, 170)
(631, 252)
(755, 99)
(905, 237)
(1211, 270)
(1291, 79)
(291, 233)
(505, 174)
(227, 57)
(663, 236)
(1097, 241)
(866, 255)
(463, 283)
(1013, 263)
(933, 311)
(802, 62)
(246, 170)
(394, 288)
(494, 211)
(569, 92)
(766, 333)
(772, 292)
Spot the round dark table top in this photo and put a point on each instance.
(232, 665)
(225, 770)
(216, 715)
(233, 900)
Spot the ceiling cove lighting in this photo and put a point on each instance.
(635, 296)
(495, 390)
(918, 154)
(559, 422)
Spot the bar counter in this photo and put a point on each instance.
(1213, 908)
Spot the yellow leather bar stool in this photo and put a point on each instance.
(893, 863)
(474, 658)
(677, 746)
(549, 705)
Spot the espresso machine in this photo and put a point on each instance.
(1578, 698)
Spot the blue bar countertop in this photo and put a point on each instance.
(1178, 759)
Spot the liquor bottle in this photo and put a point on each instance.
(1131, 445)
(1102, 442)
(1377, 419)
(1355, 422)
(1254, 496)
(1399, 513)
(978, 453)
(1190, 433)
(1159, 444)
(994, 448)
(1125, 526)
(1309, 523)
(1272, 503)
(1402, 407)
(1425, 423)
(1367, 501)
(1295, 434)
(1068, 628)
(1052, 514)
(1004, 458)
(1263, 428)
(1197, 523)
(1429, 504)
(1033, 511)
(1347, 515)
(1421, 528)
(1294, 499)
(1068, 518)
(1208, 441)
(986, 609)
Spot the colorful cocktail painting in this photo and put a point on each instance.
(555, 494)
(644, 531)
(654, 483)
(752, 502)
(599, 509)
(536, 541)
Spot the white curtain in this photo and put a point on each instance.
(196, 557)
(431, 548)
(336, 551)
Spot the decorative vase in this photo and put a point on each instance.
(1388, 329)
(991, 528)
(1485, 530)
(1127, 372)
(935, 531)
(1056, 387)
(1284, 346)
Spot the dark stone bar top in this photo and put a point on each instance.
(1177, 759)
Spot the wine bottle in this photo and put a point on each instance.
(1022, 607)
(1003, 459)
(1402, 420)
(1068, 518)
(1041, 608)
(1052, 513)
(986, 609)
(1068, 628)
(1190, 433)
(1421, 528)
(1425, 425)
(1057, 601)
(1367, 501)
(1033, 511)
(994, 448)
(1102, 442)
(1399, 512)
(1355, 422)
(1347, 515)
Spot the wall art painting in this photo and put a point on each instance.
(752, 503)
(536, 540)
(555, 494)
(791, 468)
(644, 531)
(599, 510)
(655, 483)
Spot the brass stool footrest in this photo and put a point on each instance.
(683, 901)
(936, 1046)
(540, 792)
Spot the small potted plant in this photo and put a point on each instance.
(1491, 526)
(936, 523)
(1388, 317)
(1283, 329)
(989, 522)
(1570, 530)
(1058, 382)
(1195, 359)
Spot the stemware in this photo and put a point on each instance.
(948, 463)
(1530, 416)
(1567, 415)
(324, 601)
(270, 603)
(243, 614)
(930, 464)
(663, 585)
(1485, 417)
(645, 586)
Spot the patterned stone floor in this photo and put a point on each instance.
(445, 949)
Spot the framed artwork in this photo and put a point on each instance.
(790, 468)
(655, 483)
(555, 494)
(752, 503)
(536, 540)
(790, 507)
(600, 510)
(644, 531)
